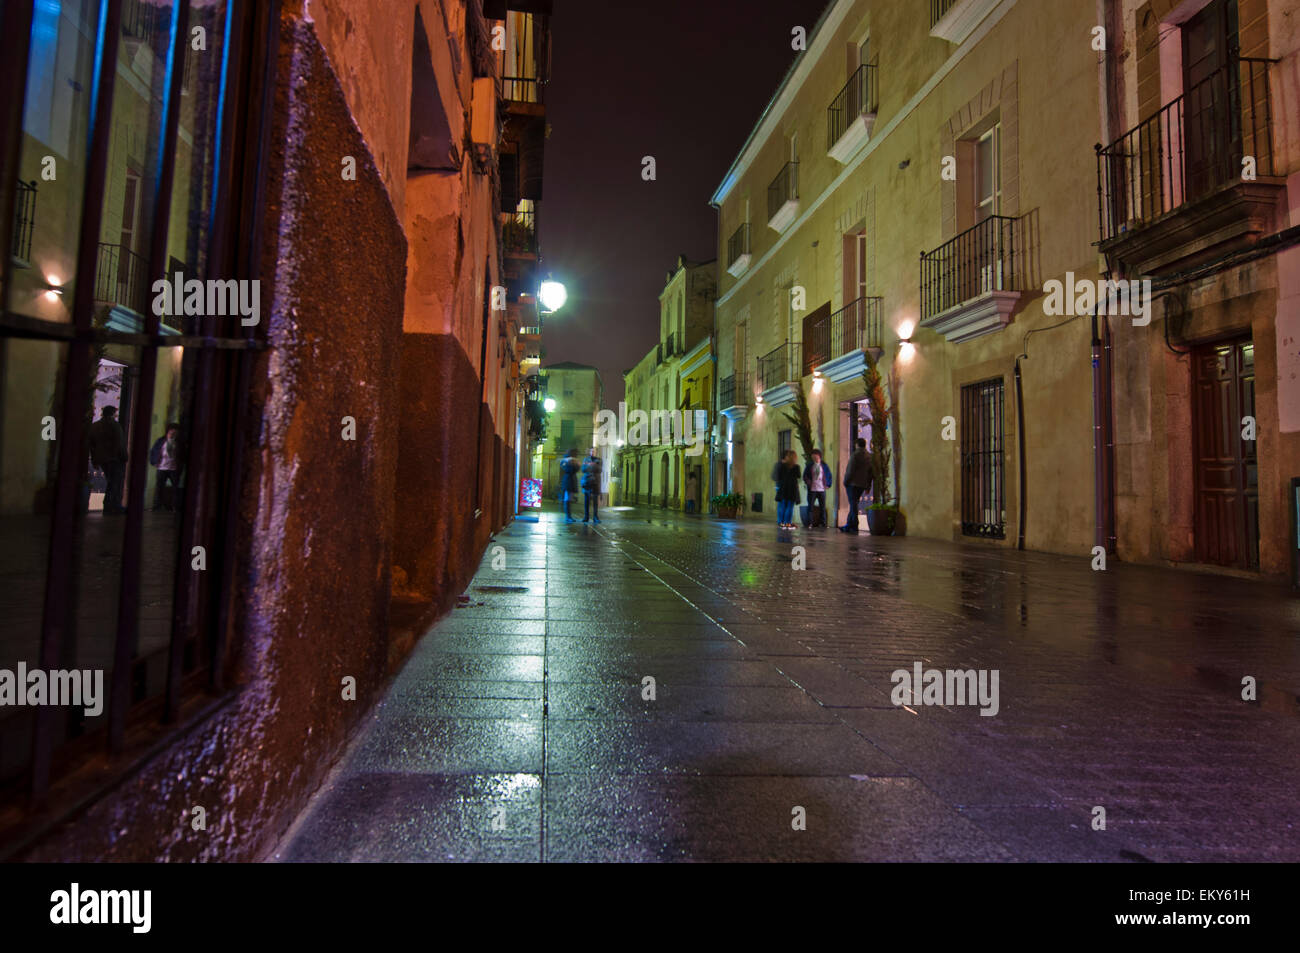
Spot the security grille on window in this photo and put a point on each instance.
(784, 441)
(982, 496)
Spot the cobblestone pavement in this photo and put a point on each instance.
(519, 730)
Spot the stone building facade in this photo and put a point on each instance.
(374, 182)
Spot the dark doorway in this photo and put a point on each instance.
(1227, 483)
(1212, 105)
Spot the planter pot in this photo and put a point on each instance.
(727, 513)
(881, 522)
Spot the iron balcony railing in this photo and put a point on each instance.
(122, 277)
(979, 260)
(784, 188)
(738, 244)
(938, 9)
(732, 391)
(519, 233)
(24, 219)
(1190, 148)
(852, 328)
(779, 365)
(527, 59)
(859, 97)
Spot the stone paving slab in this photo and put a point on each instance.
(517, 730)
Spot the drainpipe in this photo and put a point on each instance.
(1020, 433)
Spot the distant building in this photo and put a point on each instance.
(579, 394)
(674, 379)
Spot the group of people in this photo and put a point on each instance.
(108, 455)
(816, 478)
(588, 471)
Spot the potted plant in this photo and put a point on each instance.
(728, 505)
(883, 515)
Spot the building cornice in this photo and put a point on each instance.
(785, 94)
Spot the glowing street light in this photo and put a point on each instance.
(552, 295)
(549, 404)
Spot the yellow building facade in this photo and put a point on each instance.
(924, 187)
(668, 463)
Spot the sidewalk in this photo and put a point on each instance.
(518, 728)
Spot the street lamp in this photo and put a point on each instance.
(549, 404)
(552, 295)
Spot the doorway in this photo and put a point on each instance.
(1212, 104)
(1226, 472)
(855, 424)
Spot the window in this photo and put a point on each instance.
(982, 495)
(783, 442)
(566, 434)
(988, 175)
(100, 536)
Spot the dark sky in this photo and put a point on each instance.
(681, 81)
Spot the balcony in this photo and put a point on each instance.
(519, 234)
(851, 114)
(738, 251)
(837, 344)
(733, 396)
(1171, 191)
(955, 20)
(526, 62)
(783, 197)
(779, 373)
(970, 285)
(122, 281)
(24, 223)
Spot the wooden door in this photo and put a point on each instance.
(1227, 484)
(1211, 104)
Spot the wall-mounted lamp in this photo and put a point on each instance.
(905, 347)
(53, 287)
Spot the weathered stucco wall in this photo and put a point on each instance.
(312, 601)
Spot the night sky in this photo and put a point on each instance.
(681, 81)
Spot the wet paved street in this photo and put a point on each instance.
(518, 729)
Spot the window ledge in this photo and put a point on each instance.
(784, 216)
(738, 267)
(960, 22)
(780, 395)
(980, 315)
(853, 139)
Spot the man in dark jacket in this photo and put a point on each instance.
(591, 468)
(108, 452)
(569, 468)
(857, 480)
(817, 478)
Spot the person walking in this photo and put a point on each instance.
(817, 478)
(165, 454)
(591, 470)
(787, 489)
(569, 468)
(857, 481)
(108, 452)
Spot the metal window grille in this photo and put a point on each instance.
(983, 507)
(147, 684)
